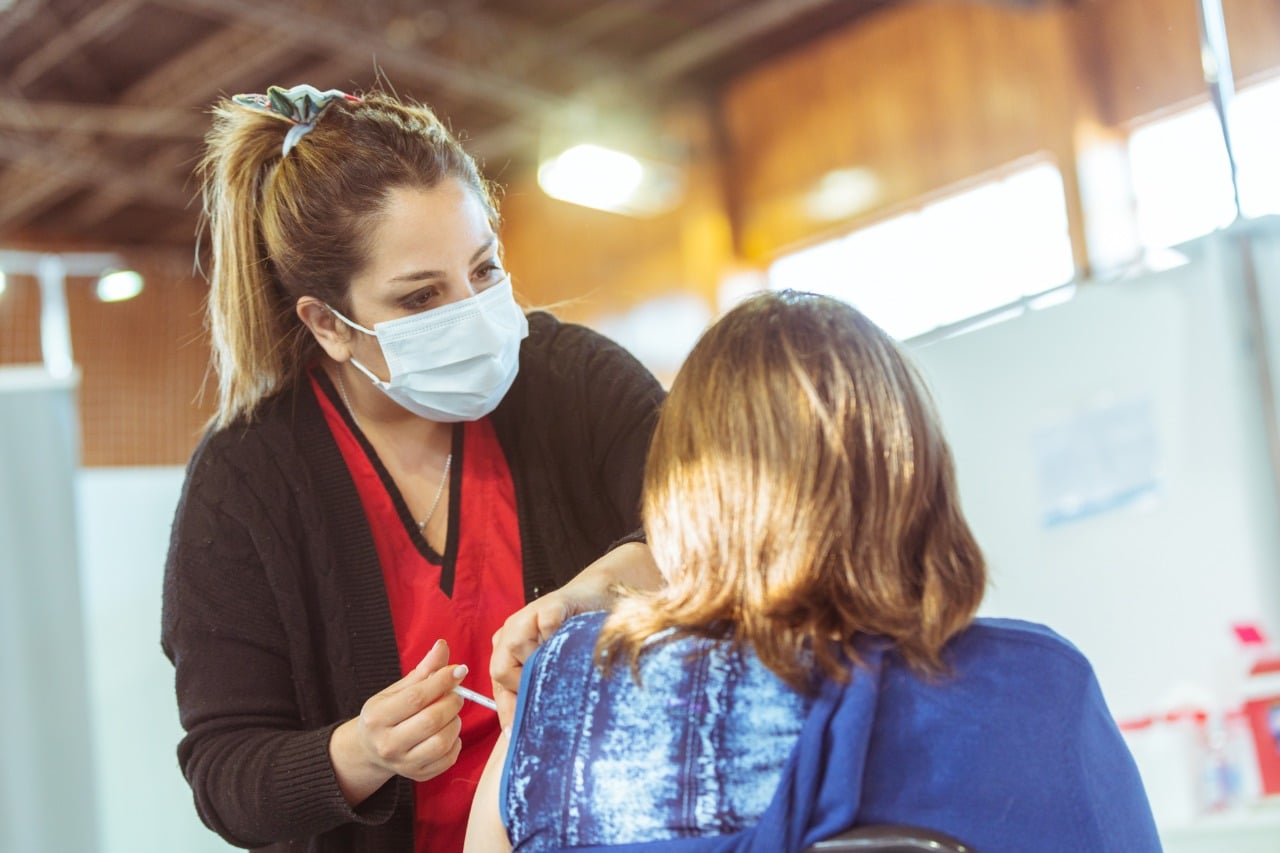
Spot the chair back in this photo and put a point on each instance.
(890, 838)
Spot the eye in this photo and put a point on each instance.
(419, 300)
(489, 273)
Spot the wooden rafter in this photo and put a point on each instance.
(193, 72)
(59, 117)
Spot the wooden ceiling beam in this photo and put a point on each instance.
(605, 18)
(506, 92)
(56, 117)
(522, 132)
(262, 31)
(115, 196)
(81, 166)
(531, 45)
(17, 14)
(194, 73)
(329, 33)
(103, 19)
(748, 21)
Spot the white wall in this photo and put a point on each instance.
(1149, 589)
(46, 757)
(144, 803)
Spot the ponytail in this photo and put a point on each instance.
(248, 311)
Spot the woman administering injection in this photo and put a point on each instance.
(402, 464)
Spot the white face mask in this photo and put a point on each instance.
(455, 362)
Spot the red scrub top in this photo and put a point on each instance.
(463, 596)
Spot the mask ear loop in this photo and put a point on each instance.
(352, 323)
(354, 363)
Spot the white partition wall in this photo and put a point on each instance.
(146, 806)
(1113, 459)
(47, 769)
(1141, 397)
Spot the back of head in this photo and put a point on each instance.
(288, 225)
(800, 491)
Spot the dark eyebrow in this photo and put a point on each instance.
(425, 275)
(484, 250)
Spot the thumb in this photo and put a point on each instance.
(506, 702)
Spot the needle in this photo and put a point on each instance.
(478, 698)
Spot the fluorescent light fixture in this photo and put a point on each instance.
(119, 285)
(4, 282)
(605, 179)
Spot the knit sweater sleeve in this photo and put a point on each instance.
(259, 769)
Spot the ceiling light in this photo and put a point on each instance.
(3, 282)
(842, 194)
(119, 285)
(606, 179)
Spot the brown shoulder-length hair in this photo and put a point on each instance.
(284, 227)
(799, 492)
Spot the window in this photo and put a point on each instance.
(1181, 175)
(1181, 178)
(975, 251)
(1255, 128)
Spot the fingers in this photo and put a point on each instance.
(412, 727)
(417, 741)
(522, 633)
(434, 755)
(434, 659)
(437, 657)
(434, 686)
(421, 687)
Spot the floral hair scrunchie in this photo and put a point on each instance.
(302, 105)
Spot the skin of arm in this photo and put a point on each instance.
(629, 565)
(485, 832)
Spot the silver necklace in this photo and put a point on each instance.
(448, 460)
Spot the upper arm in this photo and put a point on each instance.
(485, 831)
(221, 626)
(258, 769)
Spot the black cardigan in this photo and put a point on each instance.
(275, 615)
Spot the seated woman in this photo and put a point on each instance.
(813, 662)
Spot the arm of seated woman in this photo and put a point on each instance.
(485, 832)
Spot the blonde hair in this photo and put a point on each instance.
(799, 492)
(281, 228)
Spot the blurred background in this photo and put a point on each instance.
(1064, 208)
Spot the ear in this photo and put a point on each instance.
(331, 333)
